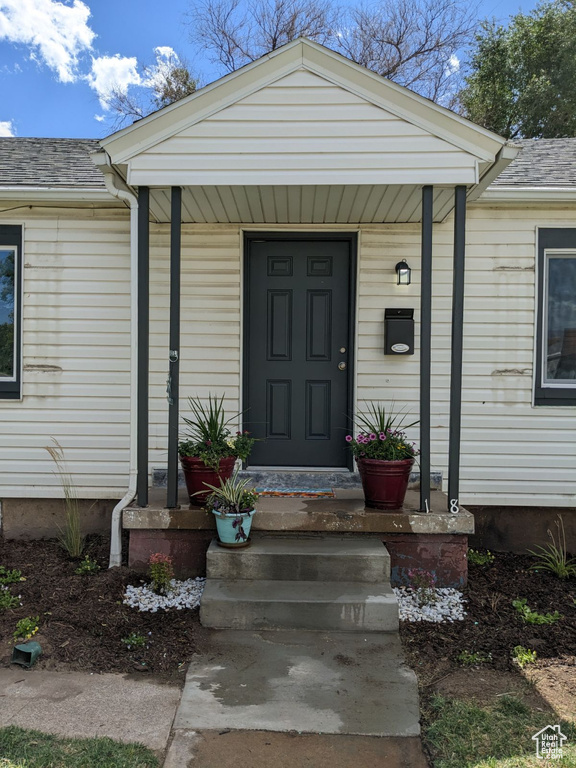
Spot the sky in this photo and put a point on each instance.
(58, 58)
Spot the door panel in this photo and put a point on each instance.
(298, 306)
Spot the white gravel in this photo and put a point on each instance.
(448, 606)
(184, 594)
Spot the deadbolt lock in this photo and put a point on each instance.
(342, 366)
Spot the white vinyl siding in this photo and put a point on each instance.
(76, 350)
(302, 129)
(512, 453)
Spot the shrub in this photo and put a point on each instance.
(533, 617)
(553, 557)
(161, 572)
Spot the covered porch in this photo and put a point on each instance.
(304, 145)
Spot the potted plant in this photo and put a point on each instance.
(232, 504)
(384, 456)
(208, 449)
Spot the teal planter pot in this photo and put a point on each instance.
(26, 654)
(234, 530)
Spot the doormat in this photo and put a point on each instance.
(306, 493)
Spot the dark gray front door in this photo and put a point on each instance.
(297, 349)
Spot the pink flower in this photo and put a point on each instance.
(372, 436)
(348, 438)
(382, 436)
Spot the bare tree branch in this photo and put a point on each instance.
(233, 35)
(412, 42)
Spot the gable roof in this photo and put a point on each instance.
(541, 163)
(49, 163)
(333, 67)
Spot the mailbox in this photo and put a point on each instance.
(398, 331)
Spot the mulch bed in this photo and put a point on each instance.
(83, 619)
(492, 625)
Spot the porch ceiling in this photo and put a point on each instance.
(315, 204)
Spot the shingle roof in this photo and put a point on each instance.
(66, 163)
(541, 163)
(49, 163)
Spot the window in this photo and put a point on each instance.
(10, 311)
(556, 332)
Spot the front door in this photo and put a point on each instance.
(297, 374)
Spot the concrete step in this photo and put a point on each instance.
(319, 605)
(300, 559)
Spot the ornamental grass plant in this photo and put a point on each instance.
(208, 435)
(382, 435)
(233, 497)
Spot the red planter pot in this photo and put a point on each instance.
(196, 473)
(384, 482)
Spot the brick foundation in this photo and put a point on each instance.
(443, 555)
(187, 548)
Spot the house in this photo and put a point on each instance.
(148, 255)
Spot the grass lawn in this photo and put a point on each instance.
(465, 734)
(21, 748)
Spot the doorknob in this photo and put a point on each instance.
(342, 366)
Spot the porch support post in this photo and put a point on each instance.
(143, 343)
(174, 354)
(457, 343)
(425, 346)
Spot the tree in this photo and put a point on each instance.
(162, 83)
(413, 42)
(522, 80)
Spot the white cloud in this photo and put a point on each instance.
(100, 118)
(113, 73)
(7, 128)
(56, 32)
(453, 65)
(166, 59)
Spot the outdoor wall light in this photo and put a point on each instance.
(403, 273)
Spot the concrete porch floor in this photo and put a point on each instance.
(345, 513)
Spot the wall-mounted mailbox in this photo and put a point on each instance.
(398, 331)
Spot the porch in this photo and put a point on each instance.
(302, 147)
(436, 541)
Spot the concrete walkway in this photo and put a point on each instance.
(310, 682)
(86, 705)
(280, 698)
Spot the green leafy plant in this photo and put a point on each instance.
(208, 435)
(233, 497)
(523, 656)
(70, 536)
(480, 558)
(554, 557)
(7, 600)
(87, 566)
(381, 435)
(474, 659)
(26, 628)
(10, 577)
(161, 571)
(533, 617)
(424, 584)
(134, 640)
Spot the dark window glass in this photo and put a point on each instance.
(560, 338)
(10, 310)
(8, 260)
(555, 376)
